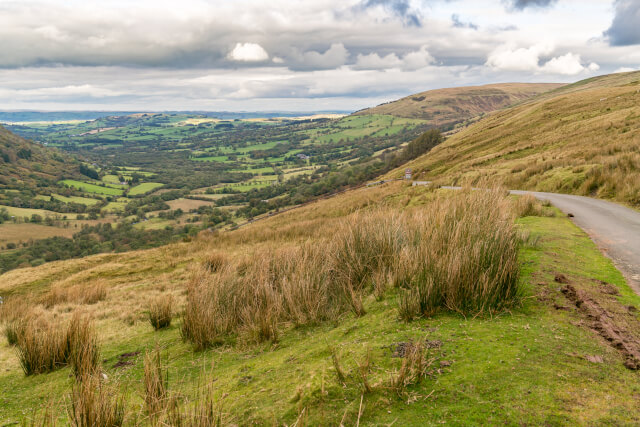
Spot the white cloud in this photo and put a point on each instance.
(411, 61)
(417, 60)
(509, 58)
(625, 70)
(373, 61)
(248, 52)
(333, 57)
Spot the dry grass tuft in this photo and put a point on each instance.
(205, 411)
(92, 403)
(161, 311)
(215, 262)
(46, 347)
(79, 294)
(155, 384)
(413, 368)
(84, 352)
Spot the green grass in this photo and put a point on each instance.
(75, 199)
(144, 188)
(92, 188)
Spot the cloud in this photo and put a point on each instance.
(399, 8)
(509, 58)
(625, 70)
(455, 18)
(625, 28)
(411, 61)
(248, 52)
(519, 5)
(335, 56)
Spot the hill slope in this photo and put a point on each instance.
(583, 138)
(24, 164)
(453, 105)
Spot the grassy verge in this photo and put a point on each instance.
(524, 366)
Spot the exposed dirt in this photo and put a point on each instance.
(618, 330)
(123, 359)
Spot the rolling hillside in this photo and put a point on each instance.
(445, 107)
(582, 138)
(24, 164)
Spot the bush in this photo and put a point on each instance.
(160, 312)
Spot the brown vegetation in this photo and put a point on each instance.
(45, 346)
(93, 403)
(78, 294)
(161, 311)
(459, 254)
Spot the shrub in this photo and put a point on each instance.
(161, 312)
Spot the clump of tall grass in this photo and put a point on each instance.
(215, 262)
(205, 411)
(93, 403)
(45, 348)
(161, 312)
(79, 294)
(155, 383)
(527, 205)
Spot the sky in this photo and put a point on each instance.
(297, 55)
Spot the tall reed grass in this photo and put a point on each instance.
(46, 346)
(457, 254)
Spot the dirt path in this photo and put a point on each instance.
(614, 228)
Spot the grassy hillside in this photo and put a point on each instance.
(582, 138)
(443, 107)
(532, 361)
(24, 164)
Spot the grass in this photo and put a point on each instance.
(91, 188)
(161, 312)
(445, 106)
(145, 187)
(23, 232)
(75, 199)
(580, 139)
(525, 365)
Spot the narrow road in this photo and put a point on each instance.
(614, 228)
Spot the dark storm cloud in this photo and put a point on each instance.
(400, 8)
(625, 28)
(523, 4)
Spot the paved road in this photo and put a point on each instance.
(614, 228)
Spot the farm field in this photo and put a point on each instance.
(15, 233)
(92, 188)
(144, 188)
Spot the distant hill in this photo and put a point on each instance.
(453, 105)
(582, 138)
(24, 164)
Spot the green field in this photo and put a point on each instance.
(92, 188)
(144, 188)
(75, 199)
